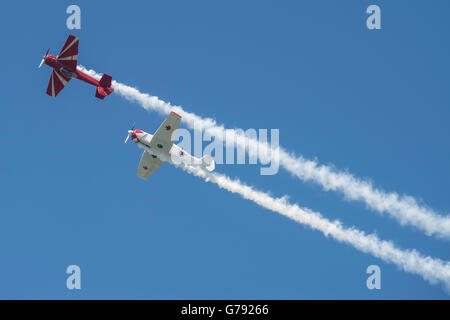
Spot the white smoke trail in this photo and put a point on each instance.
(431, 269)
(404, 209)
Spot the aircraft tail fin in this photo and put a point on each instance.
(104, 89)
(105, 81)
(208, 163)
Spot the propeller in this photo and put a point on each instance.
(44, 57)
(130, 132)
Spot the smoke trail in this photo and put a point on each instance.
(404, 209)
(433, 270)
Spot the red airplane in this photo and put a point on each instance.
(65, 67)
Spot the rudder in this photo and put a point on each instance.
(105, 81)
(104, 88)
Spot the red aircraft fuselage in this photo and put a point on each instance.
(77, 74)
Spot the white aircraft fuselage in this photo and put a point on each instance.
(159, 148)
(176, 154)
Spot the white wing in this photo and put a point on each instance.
(148, 165)
(162, 139)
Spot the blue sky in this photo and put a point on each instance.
(373, 102)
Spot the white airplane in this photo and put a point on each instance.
(159, 147)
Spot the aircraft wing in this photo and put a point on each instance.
(68, 55)
(162, 139)
(148, 165)
(57, 82)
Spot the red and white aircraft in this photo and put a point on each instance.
(65, 68)
(159, 147)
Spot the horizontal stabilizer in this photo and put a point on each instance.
(208, 163)
(102, 92)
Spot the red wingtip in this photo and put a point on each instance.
(176, 114)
